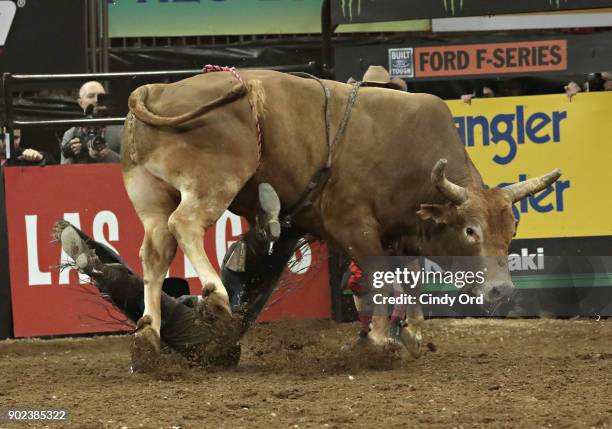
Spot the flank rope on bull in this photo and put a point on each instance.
(209, 68)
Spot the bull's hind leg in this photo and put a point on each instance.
(154, 201)
(201, 205)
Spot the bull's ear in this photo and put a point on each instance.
(437, 212)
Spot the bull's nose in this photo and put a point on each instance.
(500, 291)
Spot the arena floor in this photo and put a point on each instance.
(483, 373)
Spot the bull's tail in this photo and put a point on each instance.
(252, 89)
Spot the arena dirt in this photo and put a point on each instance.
(475, 373)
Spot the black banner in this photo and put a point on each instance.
(570, 297)
(259, 54)
(568, 246)
(364, 11)
(550, 302)
(550, 282)
(42, 36)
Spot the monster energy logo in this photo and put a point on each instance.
(556, 3)
(452, 6)
(347, 8)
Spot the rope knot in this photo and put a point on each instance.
(211, 68)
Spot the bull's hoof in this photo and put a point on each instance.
(363, 341)
(145, 347)
(375, 340)
(392, 344)
(382, 342)
(412, 339)
(214, 303)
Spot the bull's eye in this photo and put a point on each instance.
(469, 231)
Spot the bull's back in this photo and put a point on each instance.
(389, 133)
(392, 142)
(222, 128)
(292, 122)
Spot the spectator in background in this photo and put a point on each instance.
(378, 76)
(487, 92)
(595, 82)
(85, 145)
(24, 156)
(488, 89)
(607, 77)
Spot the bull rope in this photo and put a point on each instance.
(210, 68)
(322, 176)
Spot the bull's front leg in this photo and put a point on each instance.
(402, 323)
(358, 235)
(410, 332)
(188, 223)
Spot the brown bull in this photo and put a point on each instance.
(190, 152)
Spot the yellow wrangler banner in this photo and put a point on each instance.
(514, 138)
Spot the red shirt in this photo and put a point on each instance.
(356, 282)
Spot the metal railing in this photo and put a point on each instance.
(10, 80)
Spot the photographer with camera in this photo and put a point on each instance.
(92, 144)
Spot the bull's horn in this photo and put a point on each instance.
(455, 193)
(520, 190)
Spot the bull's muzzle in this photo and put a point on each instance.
(498, 292)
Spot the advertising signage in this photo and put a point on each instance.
(362, 11)
(492, 56)
(167, 18)
(477, 59)
(511, 139)
(154, 18)
(50, 301)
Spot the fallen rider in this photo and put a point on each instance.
(187, 327)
